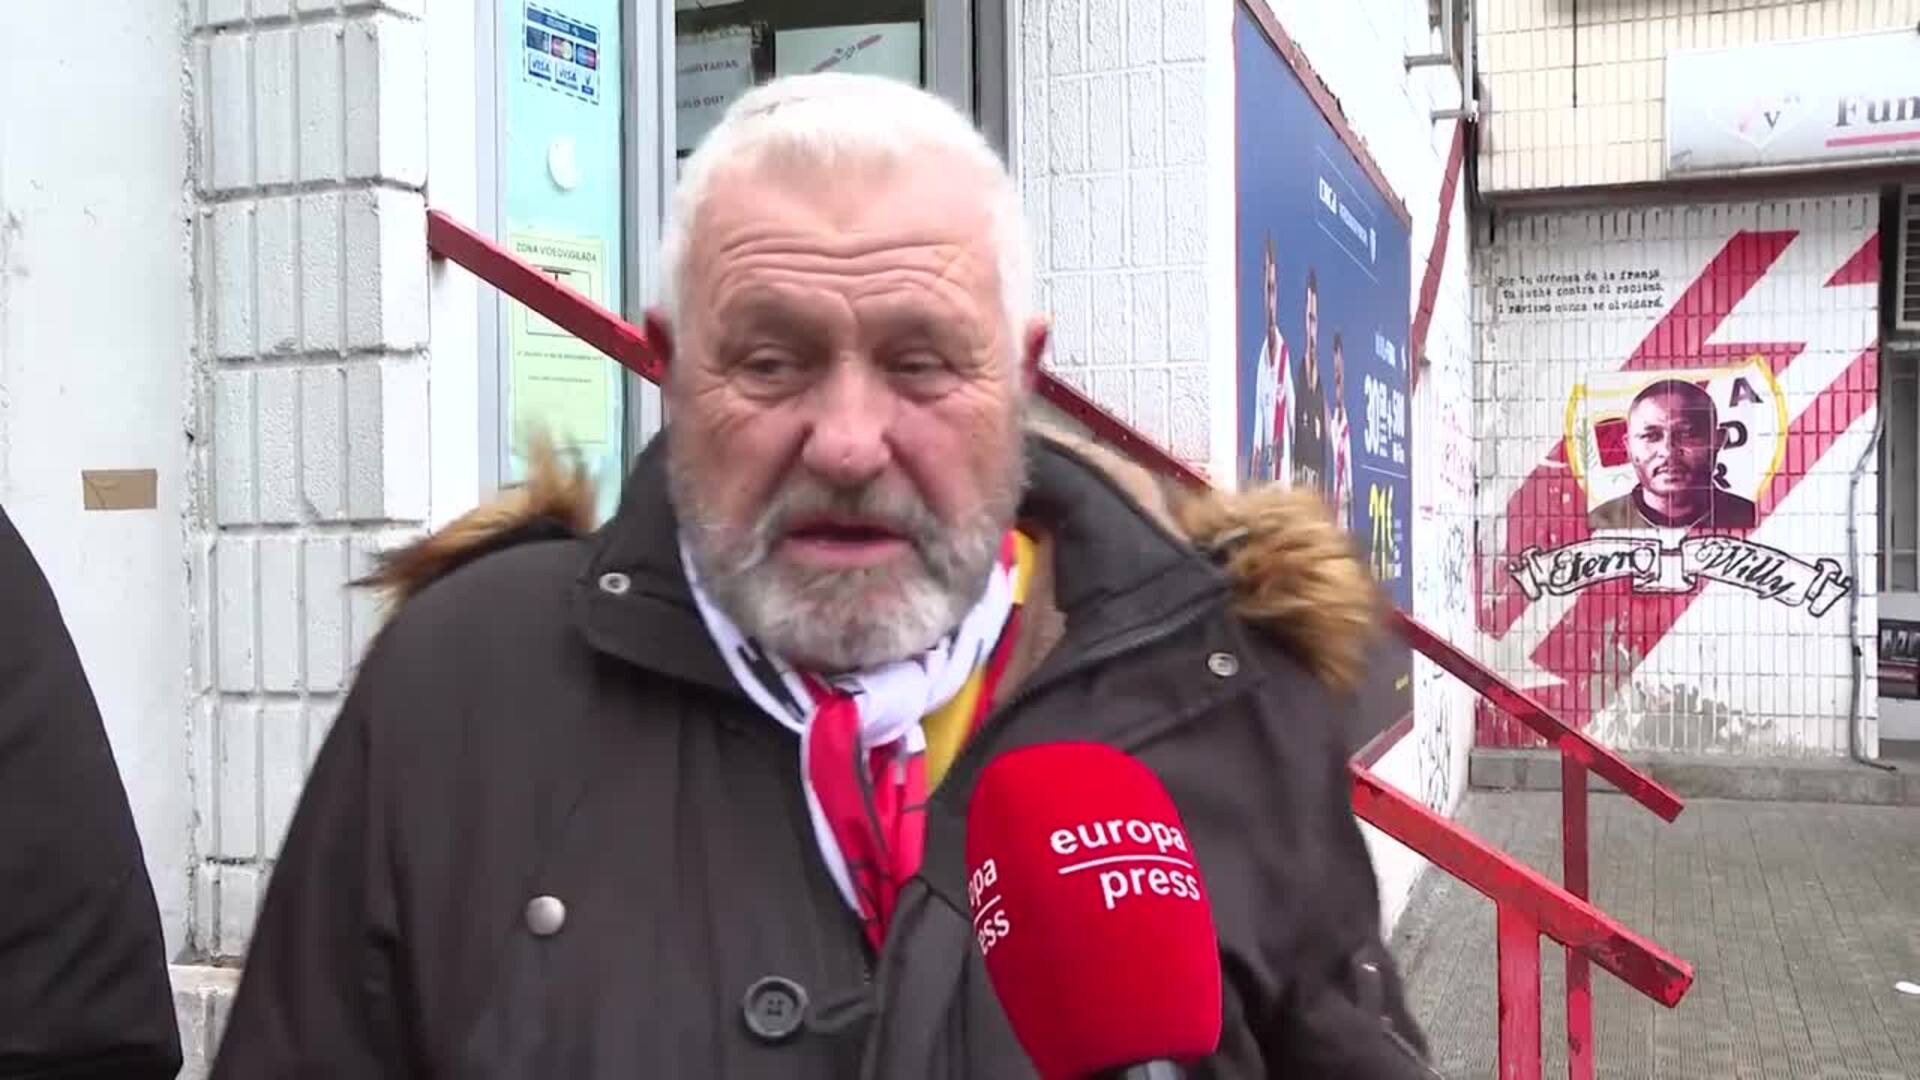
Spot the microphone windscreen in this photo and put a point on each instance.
(1089, 907)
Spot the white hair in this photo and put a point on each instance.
(830, 118)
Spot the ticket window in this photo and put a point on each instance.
(594, 104)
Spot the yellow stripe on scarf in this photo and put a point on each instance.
(948, 726)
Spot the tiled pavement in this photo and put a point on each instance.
(1798, 918)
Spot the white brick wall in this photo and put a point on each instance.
(1539, 138)
(1110, 145)
(312, 290)
(1125, 148)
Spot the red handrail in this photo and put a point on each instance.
(1529, 905)
(1574, 744)
(1556, 912)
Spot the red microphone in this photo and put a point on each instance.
(1088, 904)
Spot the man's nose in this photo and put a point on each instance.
(853, 409)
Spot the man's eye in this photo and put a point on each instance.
(917, 365)
(768, 365)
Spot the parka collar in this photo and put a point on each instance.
(1117, 571)
(1128, 549)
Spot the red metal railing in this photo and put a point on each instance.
(1529, 904)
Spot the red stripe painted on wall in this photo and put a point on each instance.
(1437, 254)
(1863, 268)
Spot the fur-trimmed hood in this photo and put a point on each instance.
(1295, 572)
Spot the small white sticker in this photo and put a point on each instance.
(1906, 987)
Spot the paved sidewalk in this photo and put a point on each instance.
(1798, 919)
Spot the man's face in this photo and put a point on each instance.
(845, 435)
(1670, 440)
(1313, 331)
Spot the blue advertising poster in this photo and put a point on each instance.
(1323, 303)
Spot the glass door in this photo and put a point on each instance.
(553, 191)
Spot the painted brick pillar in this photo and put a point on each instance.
(312, 448)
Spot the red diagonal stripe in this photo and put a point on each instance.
(1547, 509)
(1863, 268)
(1437, 255)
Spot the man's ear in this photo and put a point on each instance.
(1033, 348)
(659, 331)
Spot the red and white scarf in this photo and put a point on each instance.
(862, 749)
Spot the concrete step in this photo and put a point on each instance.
(201, 997)
(1806, 780)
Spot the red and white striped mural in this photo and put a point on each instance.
(1671, 404)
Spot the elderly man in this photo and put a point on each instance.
(683, 797)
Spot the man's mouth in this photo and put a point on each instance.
(843, 542)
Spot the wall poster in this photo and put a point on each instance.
(559, 382)
(1900, 658)
(1323, 307)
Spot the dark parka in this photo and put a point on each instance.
(548, 721)
(83, 967)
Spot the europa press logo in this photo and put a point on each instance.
(1148, 858)
(1107, 863)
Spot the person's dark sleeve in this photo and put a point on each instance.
(1343, 1015)
(84, 993)
(320, 994)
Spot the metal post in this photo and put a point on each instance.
(1469, 107)
(1445, 55)
(1575, 853)
(1519, 996)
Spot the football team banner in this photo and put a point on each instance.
(1322, 308)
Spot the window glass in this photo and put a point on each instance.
(560, 181)
(1900, 475)
(721, 49)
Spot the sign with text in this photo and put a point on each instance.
(710, 70)
(1794, 104)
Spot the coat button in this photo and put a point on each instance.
(546, 915)
(774, 1008)
(615, 584)
(1223, 664)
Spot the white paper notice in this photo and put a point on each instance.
(891, 49)
(710, 71)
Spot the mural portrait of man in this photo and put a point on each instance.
(1673, 441)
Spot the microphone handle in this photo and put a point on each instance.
(1146, 1070)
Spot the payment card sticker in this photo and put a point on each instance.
(563, 53)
